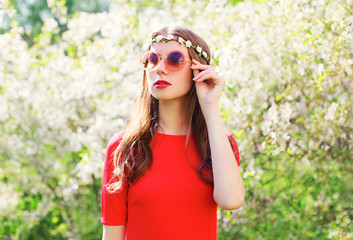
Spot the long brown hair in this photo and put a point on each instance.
(133, 156)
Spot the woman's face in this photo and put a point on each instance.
(180, 81)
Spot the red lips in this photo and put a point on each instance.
(161, 82)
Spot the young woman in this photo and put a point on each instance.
(166, 173)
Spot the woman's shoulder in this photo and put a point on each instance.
(230, 136)
(116, 139)
(235, 147)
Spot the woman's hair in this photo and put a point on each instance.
(133, 156)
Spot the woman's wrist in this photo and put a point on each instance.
(212, 114)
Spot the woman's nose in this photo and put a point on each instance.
(162, 68)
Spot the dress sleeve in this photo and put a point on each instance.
(113, 205)
(235, 148)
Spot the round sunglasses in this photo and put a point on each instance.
(176, 60)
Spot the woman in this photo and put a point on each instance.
(166, 173)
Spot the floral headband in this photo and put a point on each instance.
(180, 40)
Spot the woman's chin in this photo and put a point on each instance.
(167, 97)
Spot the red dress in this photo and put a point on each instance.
(169, 201)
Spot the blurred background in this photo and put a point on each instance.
(69, 72)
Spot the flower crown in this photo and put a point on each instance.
(180, 40)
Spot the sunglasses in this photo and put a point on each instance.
(176, 60)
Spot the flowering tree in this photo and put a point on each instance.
(288, 67)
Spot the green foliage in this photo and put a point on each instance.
(234, 2)
(287, 200)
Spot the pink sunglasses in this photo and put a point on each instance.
(176, 60)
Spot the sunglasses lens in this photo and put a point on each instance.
(150, 60)
(176, 60)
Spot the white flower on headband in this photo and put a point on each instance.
(198, 49)
(170, 37)
(188, 43)
(181, 40)
(159, 38)
(204, 54)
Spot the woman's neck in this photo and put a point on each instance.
(172, 117)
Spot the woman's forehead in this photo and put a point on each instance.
(164, 48)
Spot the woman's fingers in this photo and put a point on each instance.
(205, 77)
(196, 72)
(200, 67)
(201, 74)
(197, 65)
(204, 72)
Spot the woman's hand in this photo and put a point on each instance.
(209, 86)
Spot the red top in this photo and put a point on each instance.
(169, 202)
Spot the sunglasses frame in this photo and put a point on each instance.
(166, 63)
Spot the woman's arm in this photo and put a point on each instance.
(113, 232)
(229, 190)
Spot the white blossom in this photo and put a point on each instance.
(188, 43)
(159, 38)
(198, 49)
(50, 24)
(181, 40)
(169, 37)
(331, 112)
